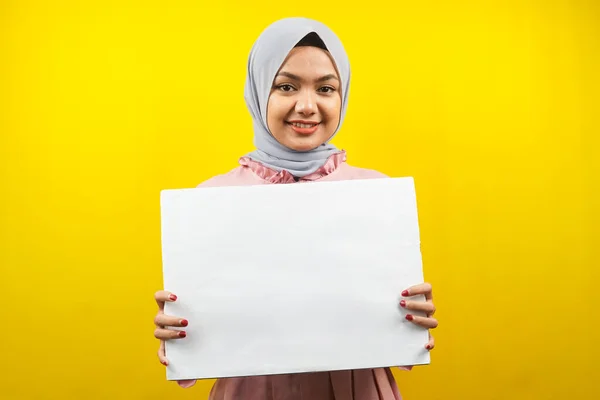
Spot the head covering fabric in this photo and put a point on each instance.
(266, 57)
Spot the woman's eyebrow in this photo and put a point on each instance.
(297, 78)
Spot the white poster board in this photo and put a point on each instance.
(292, 278)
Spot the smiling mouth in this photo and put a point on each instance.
(304, 128)
(304, 125)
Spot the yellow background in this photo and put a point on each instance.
(493, 107)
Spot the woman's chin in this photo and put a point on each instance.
(304, 145)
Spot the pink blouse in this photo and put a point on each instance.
(367, 384)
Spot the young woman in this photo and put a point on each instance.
(297, 92)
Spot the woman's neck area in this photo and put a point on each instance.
(273, 176)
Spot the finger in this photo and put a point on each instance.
(431, 344)
(187, 383)
(423, 306)
(161, 354)
(163, 296)
(423, 288)
(429, 323)
(168, 334)
(163, 320)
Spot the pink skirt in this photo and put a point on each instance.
(367, 384)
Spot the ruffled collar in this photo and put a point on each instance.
(273, 176)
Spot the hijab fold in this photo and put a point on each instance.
(266, 57)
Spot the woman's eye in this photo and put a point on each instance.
(285, 88)
(327, 89)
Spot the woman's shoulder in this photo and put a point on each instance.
(242, 176)
(347, 171)
(238, 176)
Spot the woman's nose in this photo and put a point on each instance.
(306, 103)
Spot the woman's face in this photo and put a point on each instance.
(304, 106)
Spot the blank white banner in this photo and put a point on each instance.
(292, 278)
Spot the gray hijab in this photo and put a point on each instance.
(266, 57)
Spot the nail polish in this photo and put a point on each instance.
(173, 297)
(409, 317)
(182, 334)
(403, 303)
(428, 347)
(405, 293)
(184, 322)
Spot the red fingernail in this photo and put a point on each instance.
(409, 317)
(403, 303)
(405, 293)
(164, 363)
(173, 297)
(182, 334)
(184, 322)
(428, 347)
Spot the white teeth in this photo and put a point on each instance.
(303, 125)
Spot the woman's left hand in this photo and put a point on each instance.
(426, 307)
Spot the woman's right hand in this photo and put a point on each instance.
(163, 322)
